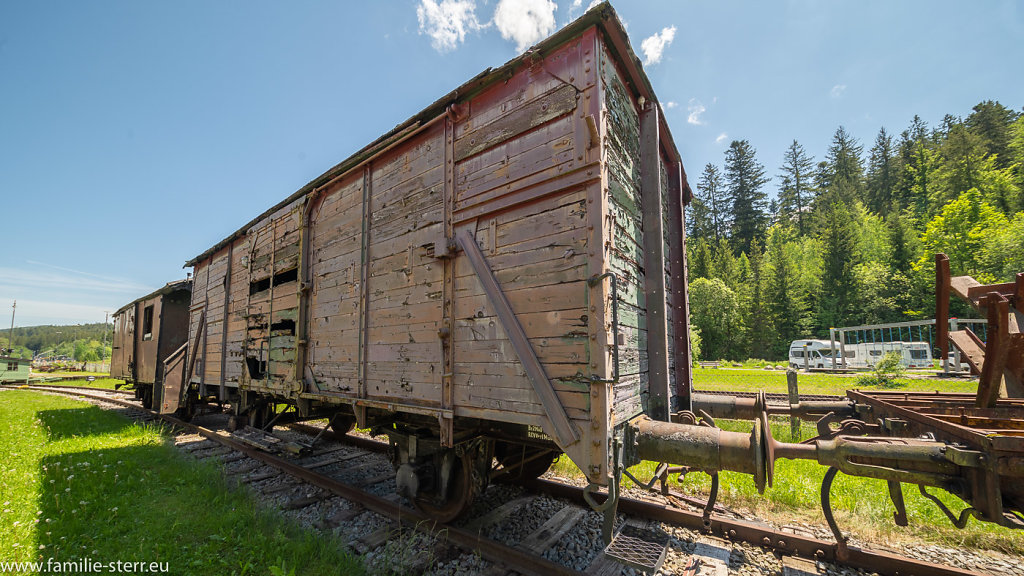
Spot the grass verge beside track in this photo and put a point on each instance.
(79, 482)
(752, 380)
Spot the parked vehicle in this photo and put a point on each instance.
(807, 354)
(146, 332)
(867, 355)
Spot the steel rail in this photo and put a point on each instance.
(523, 562)
(884, 563)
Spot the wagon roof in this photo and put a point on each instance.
(602, 15)
(166, 289)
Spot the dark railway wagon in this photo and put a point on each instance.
(146, 332)
(502, 272)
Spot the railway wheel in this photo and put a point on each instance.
(343, 423)
(261, 415)
(522, 462)
(188, 408)
(146, 395)
(459, 495)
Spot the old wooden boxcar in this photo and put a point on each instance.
(502, 274)
(146, 332)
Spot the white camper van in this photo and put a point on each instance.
(813, 354)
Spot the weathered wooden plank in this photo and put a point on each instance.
(510, 368)
(496, 102)
(513, 160)
(544, 109)
(558, 297)
(551, 531)
(553, 324)
(549, 350)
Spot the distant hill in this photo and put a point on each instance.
(83, 341)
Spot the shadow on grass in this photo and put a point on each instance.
(81, 422)
(118, 491)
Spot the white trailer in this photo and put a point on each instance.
(867, 355)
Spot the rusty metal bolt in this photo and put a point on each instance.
(766, 541)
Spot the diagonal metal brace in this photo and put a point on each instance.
(565, 433)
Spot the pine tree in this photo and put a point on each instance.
(837, 300)
(991, 121)
(698, 220)
(882, 174)
(796, 192)
(699, 258)
(961, 159)
(711, 192)
(783, 297)
(745, 180)
(845, 167)
(919, 164)
(900, 251)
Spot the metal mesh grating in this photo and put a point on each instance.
(641, 549)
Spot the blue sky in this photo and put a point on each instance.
(134, 135)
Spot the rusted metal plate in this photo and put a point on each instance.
(942, 286)
(1000, 360)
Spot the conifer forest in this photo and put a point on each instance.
(847, 236)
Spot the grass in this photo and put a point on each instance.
(738, 379)
(80, 482)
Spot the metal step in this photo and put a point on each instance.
(640, 548)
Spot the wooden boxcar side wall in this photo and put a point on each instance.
(336, 270)
(543, 171)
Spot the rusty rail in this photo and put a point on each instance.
(523, 562)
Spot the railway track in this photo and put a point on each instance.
(349, 475)
(772, 397)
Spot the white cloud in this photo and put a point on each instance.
(447, 22)
(577, 4)
(49, 294)
(721, 138)
(695, 108)
(654, 46)
(66, 278)
(525, 21)
(838, 90)
(594, 3)
(671, 105)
